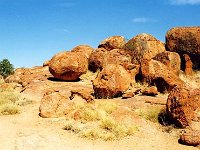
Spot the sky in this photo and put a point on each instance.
(32, 31)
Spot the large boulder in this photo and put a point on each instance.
(183, 106)
(185, 40)
(156, 73)
(112, 81)
(96, 59)
(171, 60)
(113, 42)
(85, 49)
(54, 103)
(68, 66)
(144, 46)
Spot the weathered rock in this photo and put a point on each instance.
(113, 42)
(185, 40)
(190, 138)
(150, 91)
(183, 106)
(171, 60)
(112, 81)
(85, 49)
(96, 59)
(68, 66)
(144, 46)
(156, 73)
(86, 94)
(187, 63)
(25, 76)
(54, 104)
(117, 56)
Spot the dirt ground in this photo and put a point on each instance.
(28, 131)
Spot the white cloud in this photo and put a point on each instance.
(185, 2)
(143, 20)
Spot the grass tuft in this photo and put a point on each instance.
(150, 114)
(94, 121)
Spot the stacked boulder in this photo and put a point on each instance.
(69, 66)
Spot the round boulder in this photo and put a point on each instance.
(111, 82)
(144, 46)
(68, 66)
(113, 42)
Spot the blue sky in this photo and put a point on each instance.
(32, 31)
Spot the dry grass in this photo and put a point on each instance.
(11, 102)
(94, 121)
(192, 81)
(151, 114)
(89, 76)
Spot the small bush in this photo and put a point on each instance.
(6, 68)
(9, 109)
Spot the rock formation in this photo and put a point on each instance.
(185, 40)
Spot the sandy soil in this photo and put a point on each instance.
(28, 131)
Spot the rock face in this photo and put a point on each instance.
(113, 42)
(96, 59)
(144, 46)
(68, 66)
(190, 138)
(112, 81)
(185, 40)
(85, 49)
(171, 60)
(156, 73)
(183, 106)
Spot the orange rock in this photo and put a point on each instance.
(96, 59)
(144, 46)
(171, 60)
(68, 66)
(188, 65)
(85, 49)
(156, 73)
(113, 42)
(185, 40)
(112, 81)
(183, 106)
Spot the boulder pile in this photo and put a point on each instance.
(119, 65)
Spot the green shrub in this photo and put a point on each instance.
(6, 68)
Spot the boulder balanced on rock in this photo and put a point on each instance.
(68, 66)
